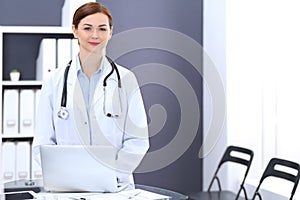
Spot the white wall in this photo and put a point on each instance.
(244, 80)
(255, 46)
(263, 81)
(214, 47)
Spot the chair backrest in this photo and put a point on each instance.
(228, 157)
(271, 171)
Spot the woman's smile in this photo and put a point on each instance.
(94, 43)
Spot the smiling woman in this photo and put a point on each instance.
(165, 99)
(104, 105)
(92, 25)
(93, 32)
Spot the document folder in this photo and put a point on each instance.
(11, 111)
(36, 170)
(36, 102)
(22, 160)
(8, 161)
(64, 54)
(75, 47)
(27, 112)
(68, 10)
(46, 61)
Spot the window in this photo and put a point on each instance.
(263, 78)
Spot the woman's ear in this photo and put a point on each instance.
(74, 31)
(111, 32)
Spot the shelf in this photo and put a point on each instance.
(36, 29)
(20, 47)
(15, 136)
(22, 83)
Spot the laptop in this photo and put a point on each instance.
(76, 168)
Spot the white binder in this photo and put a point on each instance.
(11, 111)
(36, 170)
(8, 161)
(69, 9)
(46, 60)
(22, 160)
(36, 102)
(27, 110)
(64, 53)
(75, 47)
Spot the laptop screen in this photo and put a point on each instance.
(79, 168)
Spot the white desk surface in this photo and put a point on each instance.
(136, 194)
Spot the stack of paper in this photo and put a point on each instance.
(136, 194)
(139, 194)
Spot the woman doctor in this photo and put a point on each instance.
(96, 108)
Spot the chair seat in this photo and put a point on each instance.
(214, 195)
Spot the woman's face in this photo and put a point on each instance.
(93, 33)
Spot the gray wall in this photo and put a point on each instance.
(184, 174)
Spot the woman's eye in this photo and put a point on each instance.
(102, 29)
(87, 29)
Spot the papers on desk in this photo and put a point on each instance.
(136, 194)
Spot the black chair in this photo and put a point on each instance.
(174, 195)
(224, 194)
(271, 171)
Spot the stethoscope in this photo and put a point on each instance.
(63, 113)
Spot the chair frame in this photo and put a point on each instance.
(229, 158)
(271, 171)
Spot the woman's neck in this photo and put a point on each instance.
(90, 63)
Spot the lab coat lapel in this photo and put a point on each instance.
(112, 100)
(78, 105)
(98, 94)
(75, 89)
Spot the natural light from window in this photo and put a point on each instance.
(263, 78)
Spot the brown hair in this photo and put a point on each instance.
(90, 9)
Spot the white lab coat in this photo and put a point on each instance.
(128, 133)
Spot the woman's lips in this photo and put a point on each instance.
(94, 43)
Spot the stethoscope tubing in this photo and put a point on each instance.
(63, 113)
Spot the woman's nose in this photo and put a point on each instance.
(95, 33)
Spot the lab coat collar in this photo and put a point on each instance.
(72, 78)
(79, 67)
(75, 66)
(106, 70)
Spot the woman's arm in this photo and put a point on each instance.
(136, 137)
(44, 129)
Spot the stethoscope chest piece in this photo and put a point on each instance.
(63, 113)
